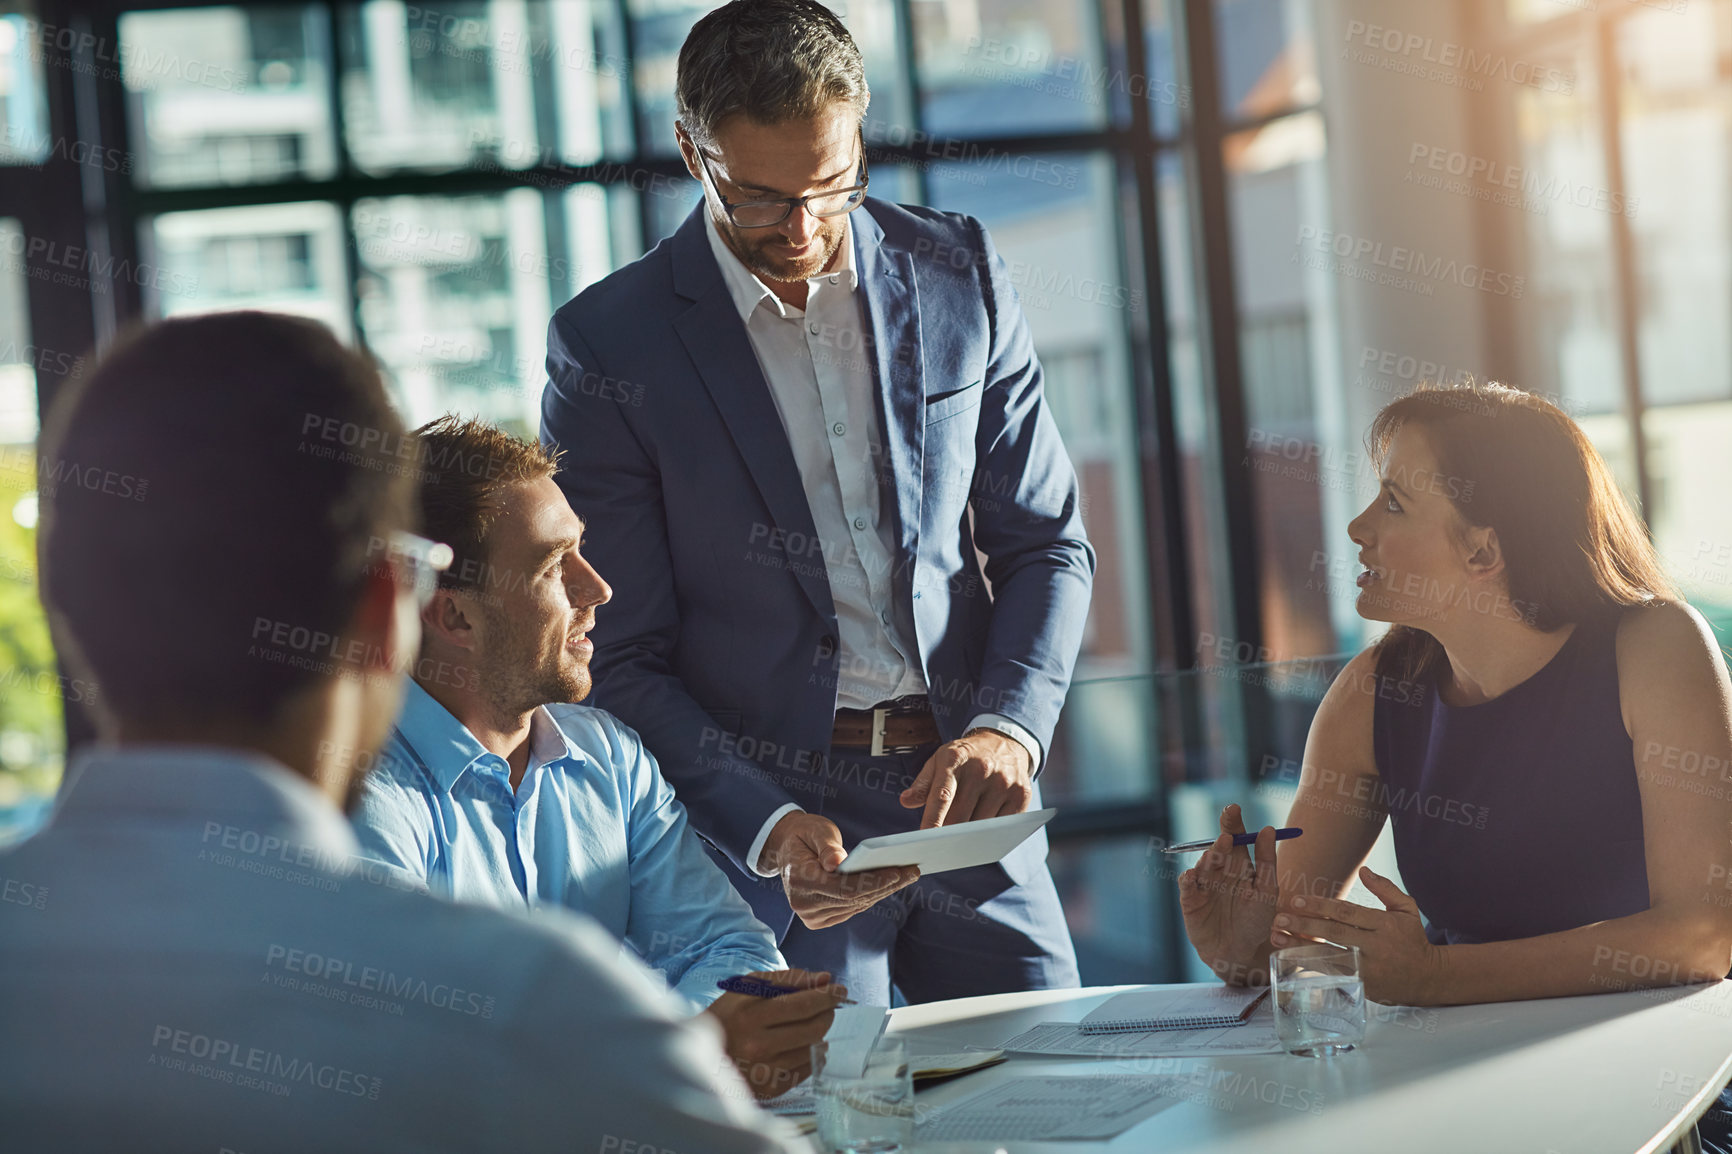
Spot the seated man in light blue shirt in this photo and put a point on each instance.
(493, 788)
(204, 961)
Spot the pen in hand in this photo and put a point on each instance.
(1238, 839)
(757, 988)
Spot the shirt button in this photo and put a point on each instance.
(838, 428)
(813, 329)
(836, 280)
(859, 522)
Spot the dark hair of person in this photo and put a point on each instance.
(211, 497)
(466, 465)
(1573, 548)
(773, 60)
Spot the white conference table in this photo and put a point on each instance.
(1613, 1073)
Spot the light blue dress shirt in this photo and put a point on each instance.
(593, 827)
(194, 957)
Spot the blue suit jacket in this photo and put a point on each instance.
(719, 646)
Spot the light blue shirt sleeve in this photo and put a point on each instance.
(686, 918)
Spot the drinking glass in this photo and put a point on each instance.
(864, 1111)
(1319, 999)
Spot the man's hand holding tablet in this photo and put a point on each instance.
(950, 847)
(805, 850)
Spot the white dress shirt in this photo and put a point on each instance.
(204, 963)
(818, 364)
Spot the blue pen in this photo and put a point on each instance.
(757, 988)
(1238, 839)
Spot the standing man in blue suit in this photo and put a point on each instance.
(794, 427)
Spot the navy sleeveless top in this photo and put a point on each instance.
(1519, 816)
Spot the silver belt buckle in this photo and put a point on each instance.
(880, 726)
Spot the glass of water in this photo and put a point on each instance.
(1319, 999)
(866, 1110)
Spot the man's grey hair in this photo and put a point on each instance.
(773, 60)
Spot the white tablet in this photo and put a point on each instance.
(947, 847)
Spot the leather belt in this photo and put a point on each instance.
(899, 726)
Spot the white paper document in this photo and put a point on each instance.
(1057, 1108)
(851, 1036)
(1064, 1039)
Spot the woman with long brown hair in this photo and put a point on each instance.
(1547, 724)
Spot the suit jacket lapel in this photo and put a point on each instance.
(716, 339)
(891, 303)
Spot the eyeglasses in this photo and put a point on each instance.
(766, 213)
(421, 560)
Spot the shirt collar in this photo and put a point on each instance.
(748, 291)
(204, 785)
(448, 750)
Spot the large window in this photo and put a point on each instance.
(1629, 235)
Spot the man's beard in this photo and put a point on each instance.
(754, 257)
(517, 675)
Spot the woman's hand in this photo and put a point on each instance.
(1229, 903)
(1398, 962)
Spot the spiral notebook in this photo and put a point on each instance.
(1173, 1008)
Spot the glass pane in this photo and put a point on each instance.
(1676, 125)
(1203, 705)
(1063, 257)
(1677, 135)
(32, 728)
(659, 27)
(1267, 56)
(1570, 318)
(493, 84)
(667, 204)
(604, 231)
(1307, 473)
(991, 67)
(228, 95)
(1167, 100)
(1539, 11)
(454, 298)
(281, 257)
(1115, 896)
(23, 104)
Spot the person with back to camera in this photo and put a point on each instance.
(1523, 725)
(210, 965)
